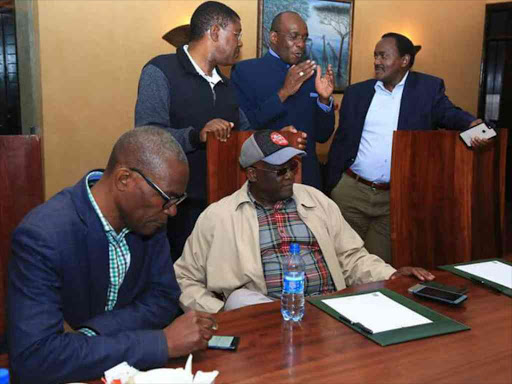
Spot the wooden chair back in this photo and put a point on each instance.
(21, 176)
(447, 201)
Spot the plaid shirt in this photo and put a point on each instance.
(278, 227)
(118, 251)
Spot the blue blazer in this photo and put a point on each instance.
(59, 271)
(257, 82)
(424, 106)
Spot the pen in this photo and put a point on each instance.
(478, 281)
(356, 324)
(363, 328)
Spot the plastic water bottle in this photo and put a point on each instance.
(4, 376)
(292, 297)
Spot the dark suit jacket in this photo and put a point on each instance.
(257, 82)
(424, 106)
(59, 271)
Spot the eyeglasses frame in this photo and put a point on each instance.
(238, 35)
(169, 202)
(297, 39)
(279, 172)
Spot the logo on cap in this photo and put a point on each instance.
(278, 139)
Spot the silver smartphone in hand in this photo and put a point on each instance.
(481, 131)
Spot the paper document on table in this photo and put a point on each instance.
(376, 311)
(494, 271)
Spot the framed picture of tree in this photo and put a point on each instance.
(330, 32)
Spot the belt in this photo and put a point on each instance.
(381, 186)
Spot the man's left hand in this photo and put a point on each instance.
(419, 273)
(324, 84)
(476, 142)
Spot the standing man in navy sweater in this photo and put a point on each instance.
(186, 94)
(278, 90)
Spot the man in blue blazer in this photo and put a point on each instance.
(397, 98)
(91, 282)
(278, 91)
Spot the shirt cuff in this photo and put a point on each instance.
(87, 332)
(193, 138)
(325, 108)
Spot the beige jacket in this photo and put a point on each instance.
(223, 252)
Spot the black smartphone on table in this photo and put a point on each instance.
(227, 343)
(434, 293)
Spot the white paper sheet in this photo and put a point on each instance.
(495, 271)
(376, 312)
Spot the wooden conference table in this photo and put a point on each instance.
(323, 350)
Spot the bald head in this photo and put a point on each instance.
(146, 147)
(288, 36)
(284, 18)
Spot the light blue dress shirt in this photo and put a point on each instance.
(373, 160)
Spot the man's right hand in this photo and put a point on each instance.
(220, 127)
(301, 141)
(189, 332)
(296, 76)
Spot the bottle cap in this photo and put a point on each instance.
(294, 248)
(4, 376)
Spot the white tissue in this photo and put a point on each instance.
(122, 372)
(164, 376)
(175, 376)
(205, 377)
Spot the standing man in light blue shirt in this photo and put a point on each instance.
(371, 111)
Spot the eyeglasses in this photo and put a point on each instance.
(295, 37)
(292, 167)
(169, 201)
(238, 35)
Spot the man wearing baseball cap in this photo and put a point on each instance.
(238, 243)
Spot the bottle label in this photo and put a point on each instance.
(293, 284)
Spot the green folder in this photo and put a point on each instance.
(440, 324)
(498, 287)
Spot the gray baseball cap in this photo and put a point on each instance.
(269, 146)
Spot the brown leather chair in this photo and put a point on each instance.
(22, 189)
(447, 201)
(224, 174)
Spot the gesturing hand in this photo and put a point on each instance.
(189, 332)
(296, 76)
(301, 141)
(220, 127)
(324, 85)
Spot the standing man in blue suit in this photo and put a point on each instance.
(278, 90)
(91, 282)
(397, 98)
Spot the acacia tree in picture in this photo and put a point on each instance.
(338, 18)
(329, 25)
